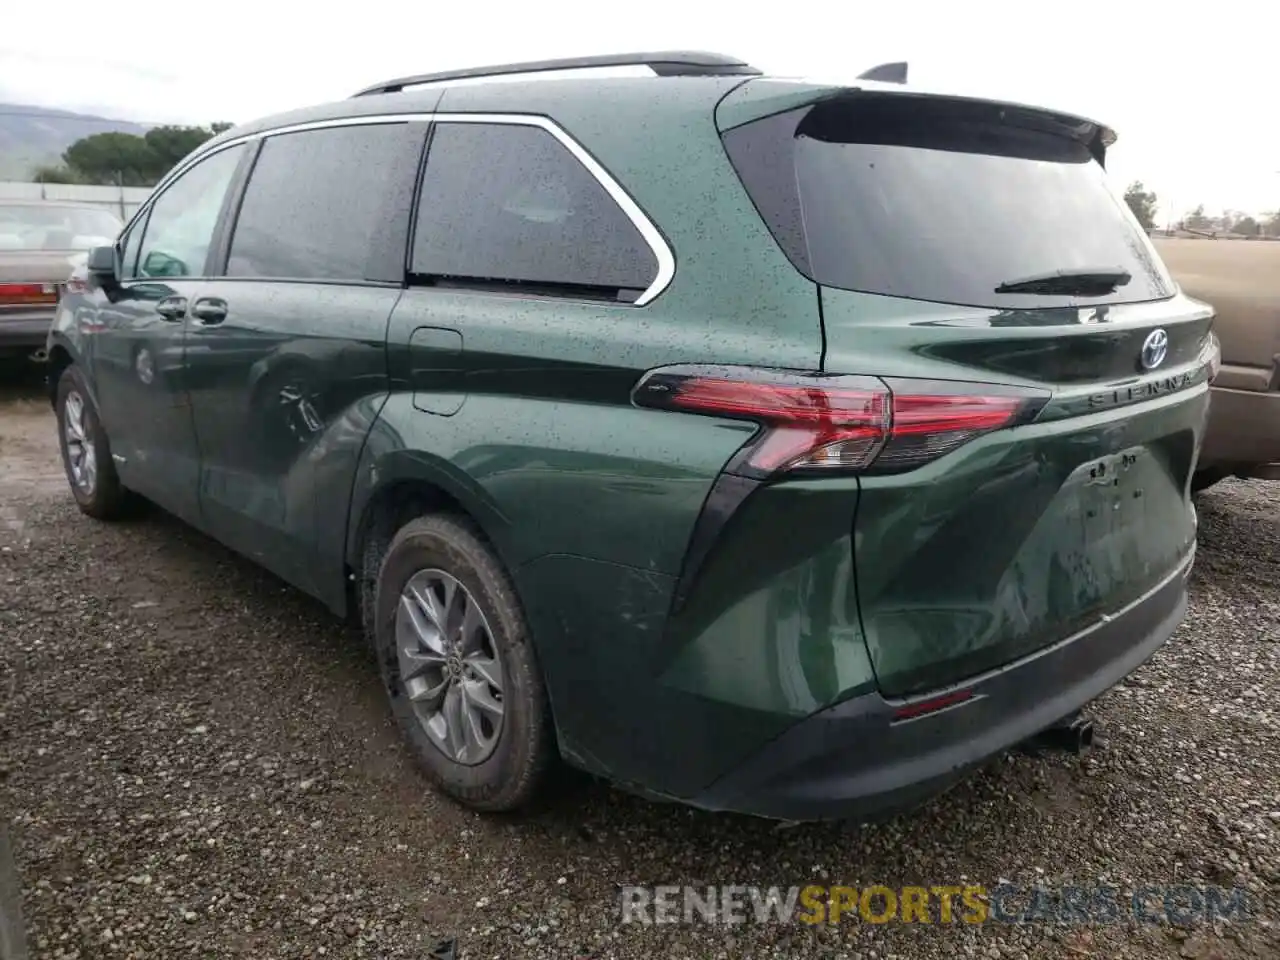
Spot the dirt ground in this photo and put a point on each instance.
(196, 760)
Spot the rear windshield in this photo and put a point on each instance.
(943, 200)
(34, 226)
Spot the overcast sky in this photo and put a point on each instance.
(1183, 84)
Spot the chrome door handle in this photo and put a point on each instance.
(209, 310)
(172, 308)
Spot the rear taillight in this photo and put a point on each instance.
(813, 422)
(27, 294)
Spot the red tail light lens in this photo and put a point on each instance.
(808, 419)
(844, 423)
(28, 294)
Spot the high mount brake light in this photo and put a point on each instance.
(816, 423)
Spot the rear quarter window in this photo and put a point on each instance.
(940, 200)
(508, 205)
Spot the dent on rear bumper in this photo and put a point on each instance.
(854, 761)
(667, 704)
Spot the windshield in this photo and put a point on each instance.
(948, 201)
(36, 226)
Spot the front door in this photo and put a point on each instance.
(139, 362)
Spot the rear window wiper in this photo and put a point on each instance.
(1081, 282)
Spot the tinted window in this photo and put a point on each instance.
(939, 200)
(510, 204)
(317, 201)
(180, 227)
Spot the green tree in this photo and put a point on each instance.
(1247, 226)
(1143, 204)
(1227, 221)
(168, 145)
(1271, 226)
(112, 158)
(56, 174)
(1196, 219)
(131, 160)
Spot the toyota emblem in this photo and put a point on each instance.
(1154, 349)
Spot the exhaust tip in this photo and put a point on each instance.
(40, 356)
(1073, 734)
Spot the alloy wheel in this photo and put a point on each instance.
(78, 435)
(450, 669)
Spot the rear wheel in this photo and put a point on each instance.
(86, 454)
(459, 667)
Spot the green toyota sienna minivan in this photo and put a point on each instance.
(768, 445)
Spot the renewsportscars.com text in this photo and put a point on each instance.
(1181, 904)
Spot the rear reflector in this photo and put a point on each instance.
(919, 708)
(28, 294)
(844, 423)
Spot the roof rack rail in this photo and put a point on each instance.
(886, 73)
(668, 63)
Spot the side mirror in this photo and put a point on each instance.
(101, 265)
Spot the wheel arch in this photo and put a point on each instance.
(61, 356)
(399, 486)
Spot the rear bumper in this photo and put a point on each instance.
(854, 761)
(1243, 429)
(25, 332)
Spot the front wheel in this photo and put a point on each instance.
(86, 454)
(459, 666)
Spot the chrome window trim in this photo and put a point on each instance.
(652, 236)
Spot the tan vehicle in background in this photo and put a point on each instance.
(1241, 278)
(40, 242)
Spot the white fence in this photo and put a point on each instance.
(122, 201)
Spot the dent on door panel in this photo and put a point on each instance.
(614, 483)
(285, 390)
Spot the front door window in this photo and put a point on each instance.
(179, 231)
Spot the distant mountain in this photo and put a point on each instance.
(35, 136)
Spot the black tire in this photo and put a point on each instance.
(510, 777)
(106, 498)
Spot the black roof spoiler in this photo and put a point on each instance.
(886, 73)
(668, 63)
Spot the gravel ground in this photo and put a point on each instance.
(196, 760)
